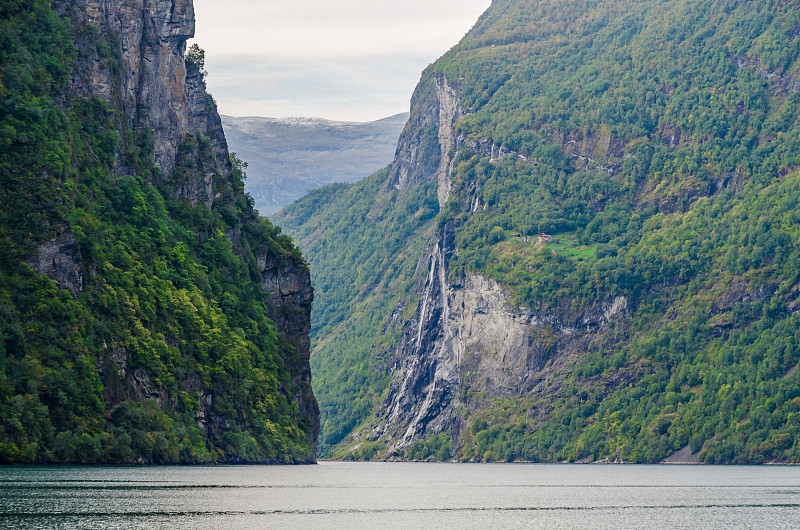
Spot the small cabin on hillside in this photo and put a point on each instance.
(545, 238)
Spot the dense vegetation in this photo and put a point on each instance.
(166, 299)
(360, 272)
(658, 143)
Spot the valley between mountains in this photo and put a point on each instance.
(585, 249)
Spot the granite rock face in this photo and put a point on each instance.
(150, 85)
(419, 153)
(151, 88)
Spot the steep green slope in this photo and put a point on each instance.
(657, 142)
(148, 335)
(357, 250)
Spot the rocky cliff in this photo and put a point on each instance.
(152, 194)
(143, 74)
(290, 296)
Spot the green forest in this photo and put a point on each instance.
(166, 298)
(658, 143)
(361, 269)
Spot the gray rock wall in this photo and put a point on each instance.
(149, 86)
(288, 286)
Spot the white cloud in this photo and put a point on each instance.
(345, 88)
(344, 59)
(324, 27)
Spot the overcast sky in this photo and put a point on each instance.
(350, 60)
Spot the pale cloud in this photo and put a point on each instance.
(346, 88)
(344, 60)
(315, 27)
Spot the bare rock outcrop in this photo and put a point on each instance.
(60, 260)
(150, 84)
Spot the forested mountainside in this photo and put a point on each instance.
(587, 247)
(147, 314)
(288, 157)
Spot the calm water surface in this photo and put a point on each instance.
(401, 495)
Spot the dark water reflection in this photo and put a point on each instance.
(399, 495)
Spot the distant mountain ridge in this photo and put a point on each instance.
(288, 157)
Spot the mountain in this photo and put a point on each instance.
(147, 314)
(587, 246)
(289, 157)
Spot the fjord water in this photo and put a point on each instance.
(401, 495)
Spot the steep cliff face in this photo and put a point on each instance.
(150, 84)
(467, 337)
(290, 295)
(153, 90)
(429, 141)
(60, 260)
(206, 350)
